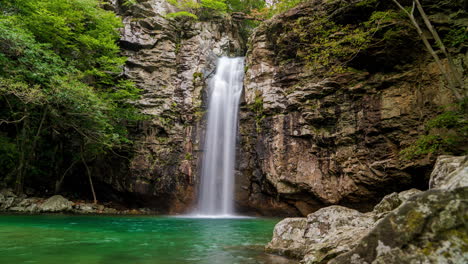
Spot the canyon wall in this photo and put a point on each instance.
(170, 61)
(334, 90)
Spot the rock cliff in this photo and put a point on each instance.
(170, 61)
(334, 90)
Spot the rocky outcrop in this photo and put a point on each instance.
(329, 231)
(406, 227)
(323, 126)
(170, 61)
(12, 203)
(428, 228)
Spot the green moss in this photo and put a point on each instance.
(323, 43)
(257, 108)
(188, 156)
(129, 3)
(177, 48)
(199, 114)
(197, 75)
(367, 3)
(446, 133)
(414, 220)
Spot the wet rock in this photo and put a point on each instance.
(84, 208)
(450, 172)
(56, 203)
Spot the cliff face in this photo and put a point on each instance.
(333, 91)
(324, 123)
(170, 61)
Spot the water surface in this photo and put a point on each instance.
(59, 239)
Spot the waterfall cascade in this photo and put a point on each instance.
(217, 179)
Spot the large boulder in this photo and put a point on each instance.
(329, 231)
(334, 230)
(288, 238)
(429, 228)
(56, 203)
(407, 227)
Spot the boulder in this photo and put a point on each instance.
(392, 201)
(288, 238)
(329, 231)
(84, 208)
(449, 172)
(333, 230)
(407, 227)
(28, 205)
(56, 203)
(429, 228)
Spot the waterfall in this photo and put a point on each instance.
(217, 179)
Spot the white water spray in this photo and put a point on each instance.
(217, 180)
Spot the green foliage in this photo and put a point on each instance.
(8, 153)
(446, 133)
(194, 10)
(60, 89)
(181, 14)
(128, 3)
(280, 6)
(245, 6)
(456, 36)
(325, 43)
(332, 45)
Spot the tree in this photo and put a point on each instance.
(62, 98)
(451, 74)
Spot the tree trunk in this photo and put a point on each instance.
(89, 176)
(447, 74)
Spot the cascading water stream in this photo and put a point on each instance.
(217, 180)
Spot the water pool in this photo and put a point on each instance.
(68, 239)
